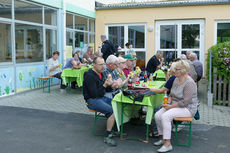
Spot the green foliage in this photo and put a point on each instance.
(220, 59)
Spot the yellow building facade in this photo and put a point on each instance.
(170, 28)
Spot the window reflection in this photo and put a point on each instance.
(5, 9)
(136, 36)
(168, 36)
(223, 32)
(69, 20)
(5, 43)
(116, 35)
(28, 12)
(169, 56)
(191, 36)
(51, 42)
(50, 16)
(81, 23)
(29, 44)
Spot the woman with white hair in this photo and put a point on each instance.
(192, 72)
(182, 102)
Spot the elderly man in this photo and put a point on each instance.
(198, 66)
(155, 62)
(89, 56)
(95, 86)
(108, 48)
(111, 66)
(188, 53)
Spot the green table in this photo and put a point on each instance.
(70, 75)
(160, 74)
(122, 107)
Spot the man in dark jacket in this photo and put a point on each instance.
(155, 62)
(94, 87)
(108, 48)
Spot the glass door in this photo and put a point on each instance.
(177, 37)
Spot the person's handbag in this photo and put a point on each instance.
(197, 115)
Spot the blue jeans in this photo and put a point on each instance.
(102, 104)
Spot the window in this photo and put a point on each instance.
(28, 12)
(91, 25)
(116, 35)
(29, 43)
(69, 20)
(223, 32)
(132, 33)
(5, 43)
(50, 16)
(136, 36)
(191, 36)
(5, 9)
(51, 42)
(81, 23)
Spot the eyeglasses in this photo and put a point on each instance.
(177, 69)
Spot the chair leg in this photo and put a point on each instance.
(175, 139)
(190, 133)
(95, 124)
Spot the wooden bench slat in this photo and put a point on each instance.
(45, 78)
(186, 119)
(92, 110)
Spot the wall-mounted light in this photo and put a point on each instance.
(150, 28)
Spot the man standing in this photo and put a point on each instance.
(155, 62)
(198, 66)
(108, 48)
(89, 54)
(94, 87)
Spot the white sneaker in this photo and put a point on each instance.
(159, 143)
(165, 149)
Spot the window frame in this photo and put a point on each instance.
(215, 28)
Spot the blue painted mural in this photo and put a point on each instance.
(6, 81)
(26, 77)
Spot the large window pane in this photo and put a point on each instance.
(137, 36)
(116, 35)
(51, 42)
(169, 56)
(29, 44)
(91, 25)
(223, 32)
(50, 16)
(168, 36)
(92, 41)
(5, 43)
(69, 38)
(191, 36)
(141, 60)
(81, 23)
(81, 41)
(69, 20)
(5, 9)
(28, 12)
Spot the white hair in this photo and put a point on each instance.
(158, 53)
(183, 57)
(111, 59)
(103, 36)
(193, 55)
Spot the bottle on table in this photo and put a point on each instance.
(145, 76)
(130, 83)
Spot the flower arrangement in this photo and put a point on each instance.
(220, 59)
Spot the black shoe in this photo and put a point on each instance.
(109, 141)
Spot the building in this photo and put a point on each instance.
(170, 26)
(30, 30)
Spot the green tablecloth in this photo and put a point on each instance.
(150, 101)
(160, 74)
(70, 75)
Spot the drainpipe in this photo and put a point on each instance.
(210, 95)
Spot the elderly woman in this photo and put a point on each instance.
(182, 102)
(121, 66)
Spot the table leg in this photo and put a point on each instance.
(43, 85)
(147, 133)
(49, 85)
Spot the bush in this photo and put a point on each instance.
(220, 59)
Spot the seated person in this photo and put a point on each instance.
(182, 102)
(95, 85)
(89, 56)
(74, 62)
(110, 68)
(54, 67)
(129, 64)
(121, 66)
